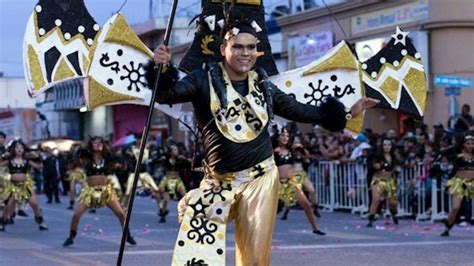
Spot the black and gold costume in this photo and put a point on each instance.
(97, 196)
(248, 150)
(288, 184)
(173, 184)
(462, 187)
(387, 186)
(241, 179)
(3, 175)
(145, 180)
(20, 191)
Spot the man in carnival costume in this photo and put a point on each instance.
(234, 105)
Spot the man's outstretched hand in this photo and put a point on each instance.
(362, 104)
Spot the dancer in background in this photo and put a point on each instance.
(384, 182)
(145, 180)
(290, 189)
(76, 174)
(300, 172)
(462, 184)
(3, 168)
(99, 192)
(20, 184)
(171, 186)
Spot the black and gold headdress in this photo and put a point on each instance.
(216, 19)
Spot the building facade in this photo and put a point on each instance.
(441, 31)
(17, 109)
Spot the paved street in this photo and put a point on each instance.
(348, 242)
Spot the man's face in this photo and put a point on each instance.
(240, 54)
(2, 140)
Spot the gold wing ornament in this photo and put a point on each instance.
(395, 76)
(63, 42)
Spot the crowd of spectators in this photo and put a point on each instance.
(415, 147)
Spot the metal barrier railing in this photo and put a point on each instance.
(340, 185)
(344, 186)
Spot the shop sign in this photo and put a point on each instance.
(303, 50)
(390, 17)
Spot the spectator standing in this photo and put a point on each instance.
(465, 120)
(52, 175)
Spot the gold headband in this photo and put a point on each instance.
(469, 137)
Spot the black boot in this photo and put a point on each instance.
(280, 206)
(319, 232)
(315, 211)
(130, 239)
(394, 217)
(71, 205)
(285, 215)
(371, 220)
(162, 215)
(70, 240)
(22, 213)
(39, 220)
(448, 227)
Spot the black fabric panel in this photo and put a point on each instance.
(51, 57)
(391, 53)
(72, 13)
(407, 105)
(371, 93)
(195, 57)
(74, 59)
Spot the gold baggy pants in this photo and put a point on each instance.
(249, 197)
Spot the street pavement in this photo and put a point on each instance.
(348, 241)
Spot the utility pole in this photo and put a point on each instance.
(150, 9)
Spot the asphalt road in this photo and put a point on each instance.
(348, 241)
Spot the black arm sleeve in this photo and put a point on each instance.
(170, 90)
(330, 114)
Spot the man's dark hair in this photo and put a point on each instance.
(3, 134)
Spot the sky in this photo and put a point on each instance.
(14, 15)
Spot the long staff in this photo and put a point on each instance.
(144, 138)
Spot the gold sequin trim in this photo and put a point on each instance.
(391, 88)
(121, 33)
(100, 95)
(205, 43)
(63, 71)
(415, 83)
(342, 59)
(35, 69)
